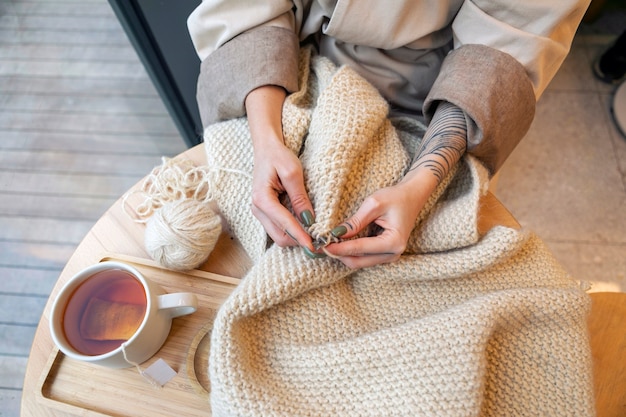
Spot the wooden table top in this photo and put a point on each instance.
(56, 387)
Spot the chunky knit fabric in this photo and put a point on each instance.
(461, 325)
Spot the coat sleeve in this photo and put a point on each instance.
(242, 45)
(505, 54)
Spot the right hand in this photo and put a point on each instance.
(276, 170)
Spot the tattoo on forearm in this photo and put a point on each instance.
(444, 143)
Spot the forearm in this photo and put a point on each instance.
(496, 97)
(443, 145)
(264, 111)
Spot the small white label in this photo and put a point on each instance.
(159, 372)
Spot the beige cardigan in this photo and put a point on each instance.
(461, 325)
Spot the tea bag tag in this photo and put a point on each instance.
(159, 373)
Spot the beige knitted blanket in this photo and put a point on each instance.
(461, 325)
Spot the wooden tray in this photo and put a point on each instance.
(91, 390)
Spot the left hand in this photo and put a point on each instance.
(395, 209)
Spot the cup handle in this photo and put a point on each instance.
(178, 304)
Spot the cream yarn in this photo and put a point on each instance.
(182, 226)
(181, 234)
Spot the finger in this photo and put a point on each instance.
(367, 251)
(367, 213)
(361, 260)
(282, 227)
(367, 246)
(275, 233)
(358, 262)
(293, 184)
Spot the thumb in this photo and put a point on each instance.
(365, 215)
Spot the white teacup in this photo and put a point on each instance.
(111, 315)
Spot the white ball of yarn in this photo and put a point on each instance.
(182, 234)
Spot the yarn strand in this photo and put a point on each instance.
(182, 228)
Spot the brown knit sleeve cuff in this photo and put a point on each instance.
(263, 56)
(494, 91)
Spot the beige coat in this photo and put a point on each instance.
(510, 52)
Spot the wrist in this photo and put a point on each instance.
(418, 184)
(264, 111)
(267, 140)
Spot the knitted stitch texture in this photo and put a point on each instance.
(461, 325)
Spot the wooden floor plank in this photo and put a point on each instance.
(92, 142)
(34, 255)
(82, 104)
(54, 206)
(27, 281)
(16, 340)
(90, 53)
(22, 310)
(64, 184)
(77, 162)
(61, 8)
(12, 374)
(32, 21)
(87, 86)
(63, 37)
(157, 125)
(70, 68)
(44, 2)
(47, 230)
(11, 401)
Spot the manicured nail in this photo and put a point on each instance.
(339, 231)
(307, 218)
(312, 255)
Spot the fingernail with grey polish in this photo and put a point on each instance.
(312, 255)
(307, 218)
(339, 231)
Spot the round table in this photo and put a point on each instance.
(57, 387)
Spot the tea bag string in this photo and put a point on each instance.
(146, 376)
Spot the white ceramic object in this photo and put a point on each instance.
(161, 308)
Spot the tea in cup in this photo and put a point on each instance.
(111, 315)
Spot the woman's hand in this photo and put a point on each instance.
(277, 170)
(394, 210)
